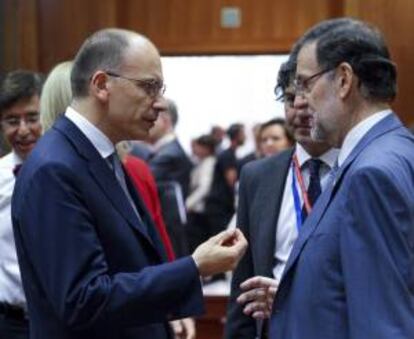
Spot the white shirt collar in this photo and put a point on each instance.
(329, 157)
(98, 139)
(16, 160)
(358, 132)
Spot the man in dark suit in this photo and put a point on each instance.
(220, 204)
(92, 263)
(171, 167)
(350, 273)
(272, 227)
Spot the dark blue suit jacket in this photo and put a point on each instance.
(90, 269)
(171, 163)
(351, 272)
(262, 184)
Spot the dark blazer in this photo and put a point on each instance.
(260, 196)
(351, 272)
(90, 269)
(171, 163)
(171, 168)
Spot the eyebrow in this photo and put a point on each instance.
(13, 115)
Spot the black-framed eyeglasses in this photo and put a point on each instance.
(303, 86)
(151, 87)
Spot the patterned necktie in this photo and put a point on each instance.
(120, 177)
(314, 188)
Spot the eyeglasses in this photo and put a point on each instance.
(289, 99)
(303, 86)
(151, 87)
(31, 119)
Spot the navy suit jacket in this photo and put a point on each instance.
(90, 269)
(261, 190)
(171, 163)
(351, 272)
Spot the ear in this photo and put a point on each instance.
(99, 86)
(346, 78)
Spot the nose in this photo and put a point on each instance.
(300, 101)
(23, 128)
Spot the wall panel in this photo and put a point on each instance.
(395, 19)
(191, 26)
(37, 34)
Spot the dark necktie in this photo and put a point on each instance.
(120, 177)
(16, 169)
(314, 188)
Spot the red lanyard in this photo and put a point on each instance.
(299, 177)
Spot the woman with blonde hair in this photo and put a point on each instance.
(56, 94)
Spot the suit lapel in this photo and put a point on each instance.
(102, 174)
(271, 194)
(385, 125)
(148, 220)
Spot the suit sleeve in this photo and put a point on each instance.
(377, 251)
(69, 260)
(238, 325)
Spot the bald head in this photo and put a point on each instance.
(105, 50)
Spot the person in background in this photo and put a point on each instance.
(20, 125)
(200, 185)
(256, 153)
(56, 95)
(220, 206)
(218, 133)
(171, 167)
(274, 136)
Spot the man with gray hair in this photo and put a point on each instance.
(171, 167)
(92, 263)
(350, 272)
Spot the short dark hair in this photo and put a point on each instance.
(19, 85)
(288, 69)
(234, 130)
(207, 141)
(285, 78)
(280, 122)
(363, 47)
(172, 111)
(102, 50)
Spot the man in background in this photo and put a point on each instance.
(20, 126)
(171, 168)
(220, 206)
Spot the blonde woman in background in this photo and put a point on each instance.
(56, 95)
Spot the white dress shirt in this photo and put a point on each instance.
(287, 231)
(357, 132)
(98, 139)
(200, 184)
(11, 290)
